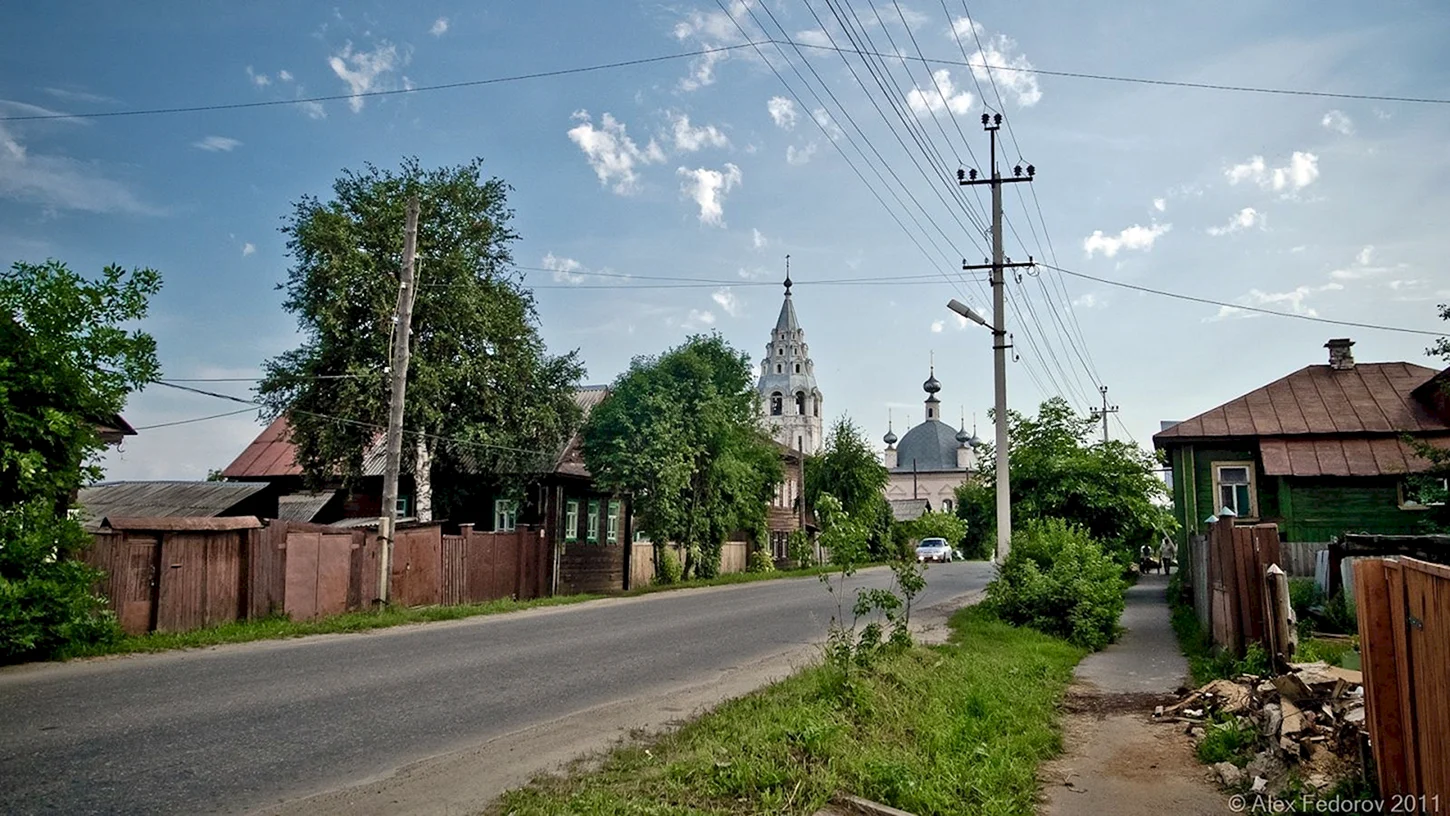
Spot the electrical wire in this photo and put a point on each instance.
(1242, 307)
(193, 419)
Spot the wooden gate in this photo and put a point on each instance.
(319, 574)
(1237, 559)
(1404, 633)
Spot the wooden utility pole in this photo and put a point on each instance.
(1106, 409)
(402, 329)
(1000, 340)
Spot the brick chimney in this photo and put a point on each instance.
(1340, 357)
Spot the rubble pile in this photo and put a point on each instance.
(1309, 720)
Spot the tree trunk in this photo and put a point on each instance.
(423, 481)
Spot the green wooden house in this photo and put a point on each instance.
(1320, 452)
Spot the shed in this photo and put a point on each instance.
(909, 509)
(174, 499)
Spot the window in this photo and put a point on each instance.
(779, 350)
(797, 368)
(611, 530)
(1423, 492)
(1234, 486)
(402, 506)
(800, 403)
(571, 520)
(776, 401)
(816, 406)
(946, 505)
(778, 368)
(593, 536)
(505, 515)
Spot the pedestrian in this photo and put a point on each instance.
(1167, 553)
(1145, 559)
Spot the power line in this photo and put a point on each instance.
(193, 419)
(1241, 307)
(473, 83)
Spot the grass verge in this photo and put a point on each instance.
(280, 627)
(952, 729)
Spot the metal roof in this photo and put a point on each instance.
(1370, 398)
(932, 444)
(303, 506)
(908, 509)
(158, 499)
(1343, 456)
(182, 524)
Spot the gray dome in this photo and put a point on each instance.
(933, 444)
(963, 437)
(889, 438)
(932, 385)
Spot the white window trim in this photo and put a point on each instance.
(1247, 464)
(571, 520)
(505, 515)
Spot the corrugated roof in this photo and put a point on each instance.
(182, 524)
(1343, 456)
(303, 506)
(571, 458)
(1370, 398)
(162, 499)
(908, 509)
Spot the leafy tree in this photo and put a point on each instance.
(680, 432)
(1110, 490)
(847, 468)
(1429, 488)
(68, 364)
(479, 376)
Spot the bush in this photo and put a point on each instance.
(799, 549)
(47, 606)
(760, 561)
(1304, 595)
(670, 570)
(1058, 580)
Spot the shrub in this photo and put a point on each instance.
(670, 570)
(1304, 595)
(47, 605)
(799, 549)
(1058, 580)
(760, 561)
(1339, 615)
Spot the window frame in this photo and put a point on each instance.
(591, 534)
(505, 515)
(1248, 466)
(611, 523)
(571, 520)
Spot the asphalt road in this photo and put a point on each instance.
(234, 728)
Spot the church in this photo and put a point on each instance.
(926, 465)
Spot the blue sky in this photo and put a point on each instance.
(709, 169)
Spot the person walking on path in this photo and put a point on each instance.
(1167, 554)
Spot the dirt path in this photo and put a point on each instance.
(1116, 759)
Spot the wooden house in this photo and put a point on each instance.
(1321, 452)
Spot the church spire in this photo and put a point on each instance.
(787, 322)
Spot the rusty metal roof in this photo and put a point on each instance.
(1344, 456)
(1370, 398)
(181, 523)
(303, 506)
(158, 499)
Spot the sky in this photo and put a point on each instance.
(713, 168)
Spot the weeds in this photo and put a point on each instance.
(1229, 740)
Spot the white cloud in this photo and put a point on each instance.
(823, 118)
(313, 110)
(1397, 285)
(1338, 121)
(72, 95)
(998, 59)
(611, 152)
(753, 274)
(58, 182)
(782, 112)
(366, 71)
(1365, 255)
(1088, 301)
(713, 29)
(698, 319)
(1364, 266)
(941, 95)
(708, 188)
(689, 138)
(215, 144)
(1241, 220)
(758, 239)
(564, 269)
(937, 326)
(248, 249)
(1292, 301)
(1134, 237)
(726, 299)
(284, 76)
(440, 27)
(260, 80)
(813, 36)
(1160, 204)
(1300, 172)
(800, 155)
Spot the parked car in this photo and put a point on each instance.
(934, 549)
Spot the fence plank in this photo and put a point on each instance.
(1380, 663)
(1398, 625)
(1427, 595)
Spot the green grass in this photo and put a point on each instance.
(280, 627)
(1227, 740)
(952, 729)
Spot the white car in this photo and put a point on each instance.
(934, 549)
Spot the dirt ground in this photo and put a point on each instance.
(1117, 761)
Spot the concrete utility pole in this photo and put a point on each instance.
(402, 329)
(1000, 339)
(1106, 409)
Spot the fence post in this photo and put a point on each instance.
(1280, 636)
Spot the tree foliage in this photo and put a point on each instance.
(1058, 580)
(680, 433)
(69, 363)
(938, 524)
(479, 376)
(1429, 488)
(1109, 489)
(847, 468)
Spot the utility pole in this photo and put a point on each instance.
(1000, 339)
(1106, 409)
(402, 329)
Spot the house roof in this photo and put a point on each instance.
(1343, 456)
(908, 509)
(929, 447)
(303, 506)
(181, 524)
(162, 499)
(1370, 398)
(272, 455)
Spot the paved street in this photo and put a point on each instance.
(237, 728)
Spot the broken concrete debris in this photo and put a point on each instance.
(1309, 720)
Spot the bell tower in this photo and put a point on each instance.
(790, 401)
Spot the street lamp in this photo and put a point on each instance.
(1004, 490)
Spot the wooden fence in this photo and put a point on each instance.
(1404, 635)
(1236, 560)
(172, 575)
(734, 557)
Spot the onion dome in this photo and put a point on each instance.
(931, 386)
(963, 437)
(889, 438)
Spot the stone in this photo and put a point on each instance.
(1229, 774)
